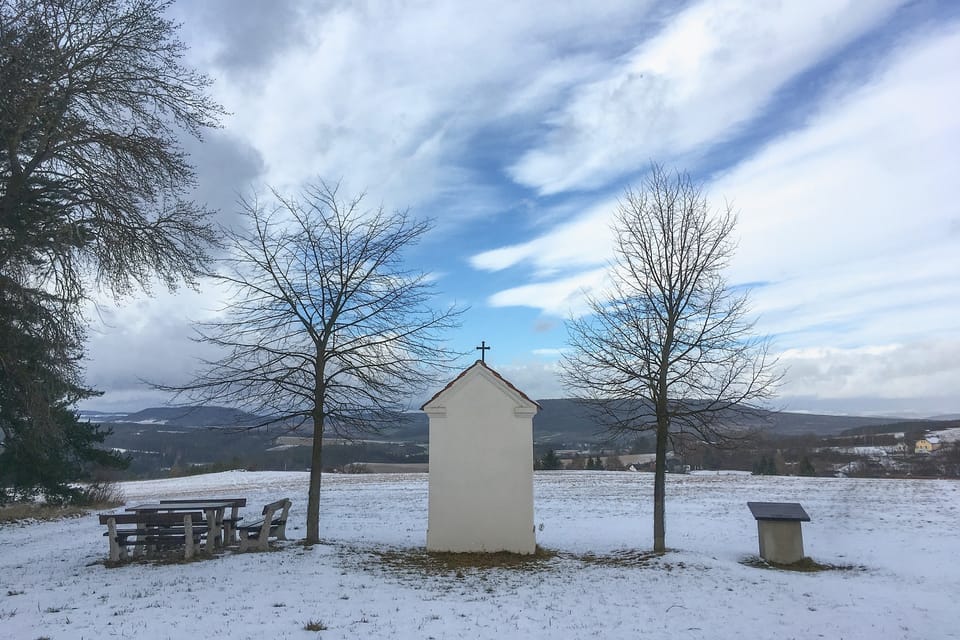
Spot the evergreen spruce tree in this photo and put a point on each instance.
(550, 461)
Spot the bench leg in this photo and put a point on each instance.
(230, 531)
(118, 545)
(139, 547)
(260, 543)
(117, 551)
(213, 530)
(114, 550)
(188, 539)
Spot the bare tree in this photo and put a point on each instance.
(93, 97)
(91, 172)
(325, 327)
(669, 347)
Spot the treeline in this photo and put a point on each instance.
(874, 453)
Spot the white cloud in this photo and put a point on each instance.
(387, 96)
(539, 380)
(548, 353)
(714, 67)
(146, 340)
(871, 173)
(863, 302)
(850, 223)
(585, 241)
(562, 297)
(894, 371)
(852, 219)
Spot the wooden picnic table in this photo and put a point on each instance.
(213, 509)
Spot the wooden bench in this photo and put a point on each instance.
(153, 532)
(256, 535)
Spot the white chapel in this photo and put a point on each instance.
(481, 465)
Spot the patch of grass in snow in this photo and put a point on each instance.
(161, 558)
(807, 565)
(625, 558)
(102, 495)
(29, 512)
(315, 625)
(421, 561)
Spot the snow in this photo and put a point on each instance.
(870, 451)
(899, 535)
(283, 447)
(948, 435)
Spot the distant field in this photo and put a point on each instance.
(371, 579)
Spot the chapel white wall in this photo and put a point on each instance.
(481, 468)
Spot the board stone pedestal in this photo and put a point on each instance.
(778, 527)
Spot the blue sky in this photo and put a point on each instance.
(832, 127)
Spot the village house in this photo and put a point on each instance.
(927, 445)
(900, 449)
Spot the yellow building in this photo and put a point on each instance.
(927, 445)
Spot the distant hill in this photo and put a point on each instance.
(559, 420)
(903, 426)
(567, 419)
(174, 440)
(792, 424)
(185, 417)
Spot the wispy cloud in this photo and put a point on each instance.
(548, 353)
(585, 241)
(564, 297)
(389, 96)
(853, 214)
(713, 68)
(851, 223)
(850, 210)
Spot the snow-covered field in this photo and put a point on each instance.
(902, 537)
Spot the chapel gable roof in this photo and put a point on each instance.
(480, 363)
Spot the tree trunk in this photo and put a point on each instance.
(661, 406)
(316, 471)
(660, 489)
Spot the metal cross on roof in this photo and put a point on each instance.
(483, 350)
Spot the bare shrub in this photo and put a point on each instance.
(101, 495)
